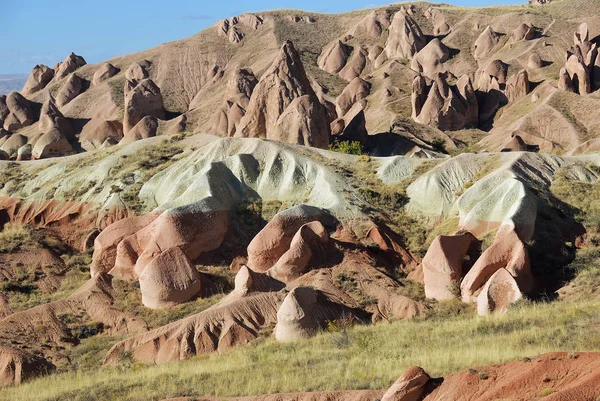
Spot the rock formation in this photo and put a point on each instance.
(535, 61)
(581, 61)
(141, 99)
(334, 57)
(443, 106)
(104, 72)
(405, 39)
(508, 252)
(145, 128)
(355, 65)
(278, 88)
(430, 59)
(485, 43)
(240, 86)
(523, 32)
(500, 291)
(409, 386)
(443, 265)
(51, 117)
(39, 77)
(137, 71)
(517, 86)
(437, 19)
(20, 112)
(99, 133)
(275, 239)
(51, 144)
(18, 366)
(357, 90)
(169, 279)
(69, 65)
(72, 88)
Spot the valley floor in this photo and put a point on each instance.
(343, 358)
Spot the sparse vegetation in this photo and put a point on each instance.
(347, 147)
(320, 364)
(14, 237)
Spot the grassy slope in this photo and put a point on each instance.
(361, 357)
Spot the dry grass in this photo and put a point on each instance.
(368, 357)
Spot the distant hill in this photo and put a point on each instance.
(11, 83)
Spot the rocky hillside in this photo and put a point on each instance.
(283, 175)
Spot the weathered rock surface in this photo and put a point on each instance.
(40, 76)
(104, 72)
(18, 366)
(485, 43)
(283, 83)
(100, 133)
(69, 65)
(51, 144)
(334, 57)
(405, 38)
(20, 112)
(443, 265)
(517, 86)
(72, 88)
(141, 100)
(500, 291)
(409, 386)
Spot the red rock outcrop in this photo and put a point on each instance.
(500, 291)
(169, 279)
(409, 386)
(273, 241)
(508, 252)
(443, 265)
(18, 366)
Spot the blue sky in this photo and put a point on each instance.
(42, 31)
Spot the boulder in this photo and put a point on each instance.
(141, 99)
(25, 152)
(500, 291)
(169, 279)
(104, 72)
(137, 71)
(517, 86)
(72, 88)
(508, 252)
(334, 57)
(355, 91)
(304, 122)
(40, 76)
(20, 112)
(523, 32)
(535, 61)
(279, 86)
(51, 144)
(431, 58)
(269, 245)
(71, 63)
(99, 133)
(309, 239)
(405, 39)
(443, 265)
(409, 386)
(485, 43)
(145, 128)
(13, 143)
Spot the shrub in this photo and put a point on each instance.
(347, 147)
(15, 237)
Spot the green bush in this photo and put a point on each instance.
(347, 147)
